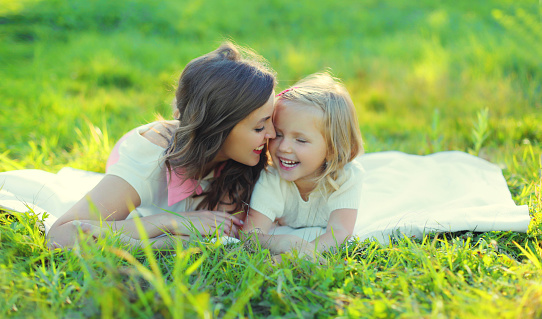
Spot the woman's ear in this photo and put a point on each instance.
(176, 114)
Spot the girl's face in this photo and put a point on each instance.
(247, 139)
(299, 150)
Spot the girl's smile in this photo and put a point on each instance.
(287, 164)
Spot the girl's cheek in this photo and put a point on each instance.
(272, 144)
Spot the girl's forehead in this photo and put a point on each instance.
(284, 106)
(299, 118)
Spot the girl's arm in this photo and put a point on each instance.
(339, 227)
(110, 203)
(257, 224)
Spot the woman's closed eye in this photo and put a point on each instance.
(265, 121)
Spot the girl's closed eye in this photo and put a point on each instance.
(302, 140)
(260, 129)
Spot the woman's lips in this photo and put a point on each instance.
(259, 149)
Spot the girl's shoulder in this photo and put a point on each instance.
(350, 184)
(350, 176)
(353, 169)
(269, 175)
(270, 179)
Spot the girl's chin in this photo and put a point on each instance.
(286, 177)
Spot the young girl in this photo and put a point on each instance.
(203, 165)
(314, 180)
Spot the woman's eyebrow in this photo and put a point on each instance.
(264, 119)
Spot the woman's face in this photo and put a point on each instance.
(248, 138)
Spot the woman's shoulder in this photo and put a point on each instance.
(142, 145)
(159, 132)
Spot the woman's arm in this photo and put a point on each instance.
(339, 227)
(96, 232)
(111, 201)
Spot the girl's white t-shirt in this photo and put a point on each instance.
(140, 164)
(280, 200)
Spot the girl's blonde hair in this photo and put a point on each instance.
(340, 126)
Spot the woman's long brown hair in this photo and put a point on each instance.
(215, 92)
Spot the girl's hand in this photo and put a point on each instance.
(310, 253)
(205, 222)
(305, 250)
(276, 260)
(307, 254)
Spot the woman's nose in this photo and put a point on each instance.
(271, 132)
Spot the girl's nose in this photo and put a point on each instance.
(284, 146)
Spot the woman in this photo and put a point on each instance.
(191, 172)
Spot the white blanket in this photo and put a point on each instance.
(402, 195)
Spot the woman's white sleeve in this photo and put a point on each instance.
(139, 166)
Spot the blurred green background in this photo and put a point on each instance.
(425, 76)
(77, 74)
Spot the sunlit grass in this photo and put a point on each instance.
(425, 76)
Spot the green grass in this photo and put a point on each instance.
(425, 76)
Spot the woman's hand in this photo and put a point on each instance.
(110, 202)
(65, 235)
(205, 222)
(112, 199)
(90, 230)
